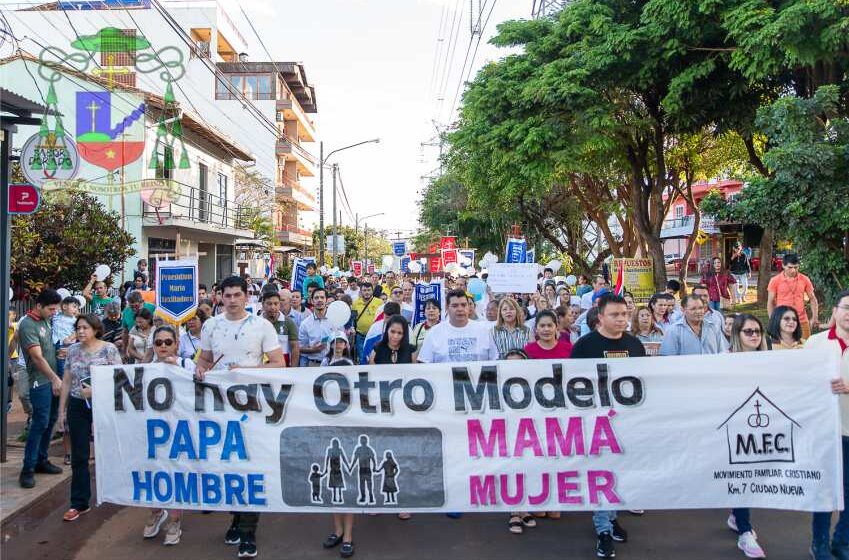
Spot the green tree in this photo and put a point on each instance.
(60, 245)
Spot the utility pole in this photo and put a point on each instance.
(335, 172)
(320, 203)
(365, 248)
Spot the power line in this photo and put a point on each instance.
(449, 55)
(472, 64)
(440, 41)
(344, 194)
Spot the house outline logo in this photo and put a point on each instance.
(759, 431)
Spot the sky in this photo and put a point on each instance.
(372, 63)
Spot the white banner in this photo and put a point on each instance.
(512, 278)
(733, 430)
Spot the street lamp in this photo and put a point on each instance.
(322, 161)
(365, 233)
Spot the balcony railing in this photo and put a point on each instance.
(199, 205)
(286, 145)
(683, 226)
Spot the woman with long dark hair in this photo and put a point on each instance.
(785, 329)
(394, 347)
(747, 335)
(75, 404)
(717, 279)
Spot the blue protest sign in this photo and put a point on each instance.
(405, 263)
(299, 272)
(516, 250)
(399, 248)
(421, 295)
(176, 289)
(531, 256)
(467, 254)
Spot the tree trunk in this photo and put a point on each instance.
(765, 271)
(691, 244)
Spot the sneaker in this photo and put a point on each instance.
(604, 546)
(637, 511)
(27, 479)
(67, 460)
(233, 535)
(748, 543)
(172, 533)
(247, 546)
(619, 534)
(154, 523)
(47, 467)
(732, 523)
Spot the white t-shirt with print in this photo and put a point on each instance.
(446, 343)
(240, 342)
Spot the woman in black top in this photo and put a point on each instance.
(394, 347)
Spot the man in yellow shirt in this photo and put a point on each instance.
(366, 307)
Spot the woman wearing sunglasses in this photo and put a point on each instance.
(75, 404)
(747, 335)
(166, 351)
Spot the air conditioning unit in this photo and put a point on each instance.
(202, 49)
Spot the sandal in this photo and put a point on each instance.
(67, 460)
(515, 525)
(331, 541)
(74, 514)
(529, 521)
(404, 516)
(347, 550)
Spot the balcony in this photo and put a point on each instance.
(683, 227)
(293, 235)
(288, 109)
(193, 208)
(298, 195)
(292, 151)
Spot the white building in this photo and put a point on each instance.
(201, 218)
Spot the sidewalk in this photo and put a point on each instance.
(15, 500)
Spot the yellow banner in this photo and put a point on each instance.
(638, 276)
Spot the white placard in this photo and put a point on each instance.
(754, 429)
(512, 278)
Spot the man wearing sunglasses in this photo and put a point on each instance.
(836, 339)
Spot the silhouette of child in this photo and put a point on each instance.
(315, 482)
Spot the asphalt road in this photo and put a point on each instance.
(112, 532)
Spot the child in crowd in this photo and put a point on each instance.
(64, 334)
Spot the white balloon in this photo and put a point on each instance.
(102, 272)
(423, 261)
(11, 293)
(323, 269)
(571, 280)
(63, 292)
(81, 300)
(338, 313)
(482, 263)
(414, 267)
(388, 260)
(554, 265)
(451, 267)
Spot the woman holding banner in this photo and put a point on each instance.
(75, 404)
(165, 350)
(510, 332)
(747, 335)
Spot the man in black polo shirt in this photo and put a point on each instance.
(609, 340)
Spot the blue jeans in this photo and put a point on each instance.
(742, 515)
(359, 342)
(822, 519)
(603, 521)
(715, 305)
(45, 410)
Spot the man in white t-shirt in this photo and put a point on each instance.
(231, 340)
(587, 298)
(458, 339)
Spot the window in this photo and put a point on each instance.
(222, 187)
(252, 86)
(165, 163)
(679, 211)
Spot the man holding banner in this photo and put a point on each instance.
(609, 340)
(236, 339)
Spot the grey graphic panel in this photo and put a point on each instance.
(389, 467)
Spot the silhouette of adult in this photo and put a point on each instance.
(365, 457)
(334, 460)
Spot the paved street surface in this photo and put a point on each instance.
(111, 532)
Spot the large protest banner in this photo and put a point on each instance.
(756, 429)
